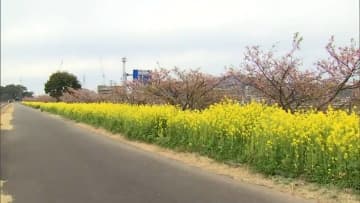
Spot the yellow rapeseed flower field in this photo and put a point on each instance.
(323, 147)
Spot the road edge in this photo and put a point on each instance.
(238, 173)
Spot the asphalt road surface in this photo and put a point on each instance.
(45, 159)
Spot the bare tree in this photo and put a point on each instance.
(80, 95)
(189, 89)
(340, 72)
(278, 79)
(40, 98)
(281, 81)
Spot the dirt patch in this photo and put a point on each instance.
(6, 117)
(4, 198)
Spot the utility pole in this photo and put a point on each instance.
(124, 76)
(83, 81)
(61, 64)
(158, 65)
(102, 72)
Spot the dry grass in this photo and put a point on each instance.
(6, 117)
(4, 198)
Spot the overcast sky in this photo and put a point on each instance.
(91, 36)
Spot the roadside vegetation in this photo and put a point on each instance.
(322, 147)
(5, 124)
(4, 198)
(6, 116)
(269, 113)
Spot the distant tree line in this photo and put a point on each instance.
(14, 92)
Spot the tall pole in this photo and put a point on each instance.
(124, 77)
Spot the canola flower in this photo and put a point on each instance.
(320, 147)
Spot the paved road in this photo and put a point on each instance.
(49, 160)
